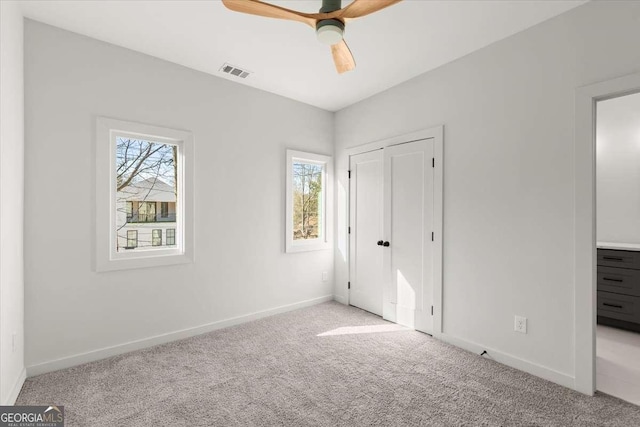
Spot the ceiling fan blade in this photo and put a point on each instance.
(257, 7)
(359, 8)
(342, 57)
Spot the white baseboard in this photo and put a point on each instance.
(103, 353)
(512, 361)
(15, 391)
(340, 299)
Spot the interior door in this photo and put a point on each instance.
(366, 209)
(408, 226)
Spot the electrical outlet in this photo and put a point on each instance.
(325, 276)
(520, 324)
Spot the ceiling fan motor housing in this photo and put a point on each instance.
(329, 6)
(330, 31)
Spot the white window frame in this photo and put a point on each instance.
(323, 241)
(107, 257)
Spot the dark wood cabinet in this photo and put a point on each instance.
(619, 288)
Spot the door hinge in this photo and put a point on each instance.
(433, 162)
(432, 236)
(349, 230)
(432, 310)
(349, 174)
(348, 285)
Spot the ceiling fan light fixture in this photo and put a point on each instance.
(330, 31)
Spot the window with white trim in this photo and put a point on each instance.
(144, 178)
(308, 190)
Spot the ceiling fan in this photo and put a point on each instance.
(329, 23)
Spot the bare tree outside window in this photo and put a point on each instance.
(307, 200)
(146, 196)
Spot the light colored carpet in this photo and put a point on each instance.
(327, 365)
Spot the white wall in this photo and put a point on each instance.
(508, 112)
(11, 202)
(618, 170)
(241, 135)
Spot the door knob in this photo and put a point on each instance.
(380, 242)
(385, 244)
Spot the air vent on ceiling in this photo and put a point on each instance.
(235, 71)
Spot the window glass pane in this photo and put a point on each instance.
(156, 238)
(171, 237)
(132, 239)
(147, 212)
(146, 183)
(307, 200)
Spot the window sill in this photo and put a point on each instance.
(307, 247)
(155, 260)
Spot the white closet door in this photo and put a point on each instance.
(408, 226)
(366, 262)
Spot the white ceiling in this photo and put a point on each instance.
(390, 46)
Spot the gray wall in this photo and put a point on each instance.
(508, 112)
(241, 135)
(11, 202)
(618, 170)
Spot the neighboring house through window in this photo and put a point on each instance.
(145, 195)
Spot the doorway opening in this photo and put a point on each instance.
(587, 304)
(618, 247)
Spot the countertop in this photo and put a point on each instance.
(619, 246)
